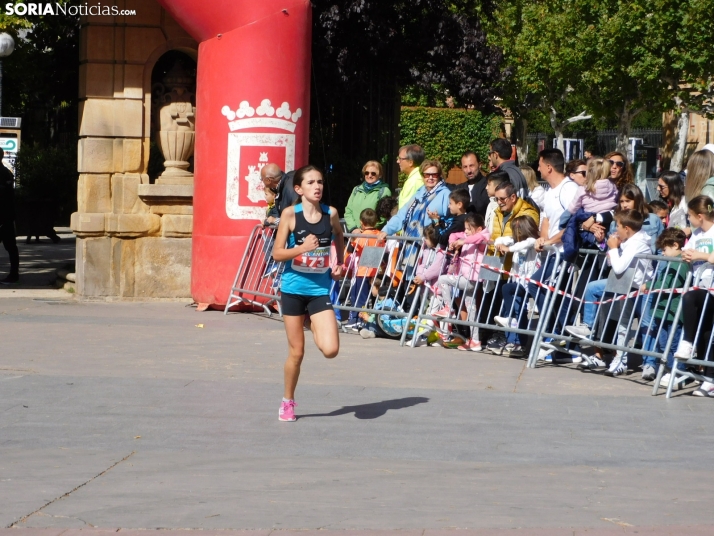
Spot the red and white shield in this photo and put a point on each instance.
(249, 151)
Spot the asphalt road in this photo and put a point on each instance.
(128, 415)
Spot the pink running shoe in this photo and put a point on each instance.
(287, 411)
(471, 345)
(444, 312)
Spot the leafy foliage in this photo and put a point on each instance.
(445, 133)
(426, 43)
(614, 58)
(41, 77)
(366, 51)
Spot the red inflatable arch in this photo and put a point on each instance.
(252, 107)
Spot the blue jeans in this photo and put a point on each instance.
(513, 295)
(593, 292)
(653, 342)
(543, 275)
(359, 294)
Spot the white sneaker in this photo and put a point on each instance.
(367, 333)
(706, 390)
(685, 350)
(617, 367)
(582, 331)
(419, 342)
(544, 354)
(679, 383)
(506, 322)
(514, 350)
(648, 373)
(592, 362)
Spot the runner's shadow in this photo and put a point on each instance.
(373, 410)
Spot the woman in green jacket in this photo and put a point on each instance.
(366, 195)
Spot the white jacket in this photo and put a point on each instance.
(491, 214)
(624, 257)
(525, 258)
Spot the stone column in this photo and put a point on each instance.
(124, 248)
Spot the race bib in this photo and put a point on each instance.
(313, 262)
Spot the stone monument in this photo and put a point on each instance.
(133, 237)
(175, 123)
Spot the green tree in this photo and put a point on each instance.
(614, 83)
(677, 44)
(545, 61)
(614, 59)
(41, 77)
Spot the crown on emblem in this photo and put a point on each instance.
(265, 115)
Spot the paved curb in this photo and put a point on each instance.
(617, 529)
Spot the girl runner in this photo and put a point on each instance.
(304, 238)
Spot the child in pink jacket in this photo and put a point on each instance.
(431, 265)
(431, 261)
(465, 268)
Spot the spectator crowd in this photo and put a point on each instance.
(580, 206)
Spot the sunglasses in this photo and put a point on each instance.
(370, 173)
(431, 175)
(583, 173)
(502, 199)
(617, 164)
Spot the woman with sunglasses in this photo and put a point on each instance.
(576, 170)
(366, 195)
(621, 171)
(431, 202)
(671, 190)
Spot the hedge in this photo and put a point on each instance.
(446, 133)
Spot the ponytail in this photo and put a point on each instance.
(703, 206)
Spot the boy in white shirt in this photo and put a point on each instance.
(624, 246)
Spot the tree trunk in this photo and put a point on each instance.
(558, 129)
(560, 144)
(521, 135)
(680, 145)
(623, 130)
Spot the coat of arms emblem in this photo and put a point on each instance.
(252, 148)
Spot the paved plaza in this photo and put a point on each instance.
(128, 415)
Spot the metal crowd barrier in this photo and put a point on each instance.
(703, 344)
(378, 282)
(379, 285)
(622, 315)
(257, 282)
(387, 265)
(482, 299)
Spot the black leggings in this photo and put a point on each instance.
(694, 311)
